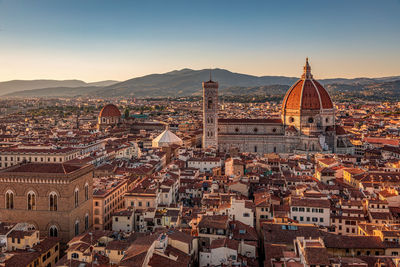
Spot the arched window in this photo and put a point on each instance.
(53, 201)
(210, 102)
(86, 191)
(77, 228)
(31, 200)
(53, 231)
(76, 197)
(86, 221)
(9, 199)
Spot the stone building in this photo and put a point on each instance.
(307, 123)
(109, 116)
(56, 198)
(210, 114)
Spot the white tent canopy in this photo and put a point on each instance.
(166, 138)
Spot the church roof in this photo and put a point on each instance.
(307, 94)
(109, 110)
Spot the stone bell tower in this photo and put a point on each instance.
(210, 114)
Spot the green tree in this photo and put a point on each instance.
(126, 113)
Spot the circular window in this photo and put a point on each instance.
(255, 130)
(274, 130)
(310, 120)
(291, 119)
(236, 129)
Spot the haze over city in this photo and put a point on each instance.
(117, 40)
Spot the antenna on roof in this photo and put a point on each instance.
(210, 75)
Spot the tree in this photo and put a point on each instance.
(126, 113)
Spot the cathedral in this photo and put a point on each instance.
(306, 125)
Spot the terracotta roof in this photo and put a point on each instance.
(307, 94)
(109, 110)
(61, 168)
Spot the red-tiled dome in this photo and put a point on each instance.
(110, 110)
(307, 94)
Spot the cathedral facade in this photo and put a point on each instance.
(307, 123)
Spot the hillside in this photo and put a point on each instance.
(187, 82)
(10, 87)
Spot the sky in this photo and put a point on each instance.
(95, 40)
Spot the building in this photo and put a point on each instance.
(26, 248)
(210, 114)
(307, 123)
(108, 197)
(56, 198)
(310, 211)
(15, 155)
(109, 116)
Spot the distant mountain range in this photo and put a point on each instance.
(183, 82)
(13, 86)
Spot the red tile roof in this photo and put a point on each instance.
(109, 110)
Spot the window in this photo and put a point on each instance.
(86, 191)
(74, 255)
(76, 194)
(291, 119)
(31, 200)
(310, 120)
(210, 103)
(53, 231)
(246, 214)
(255, 149)
(9, 199)
(53, 201)
(147, 204)
(321, 219)
(86, 221)
(77, 228)
(255, 130)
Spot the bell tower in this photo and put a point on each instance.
(210, 114)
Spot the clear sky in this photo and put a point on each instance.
(121, 39)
